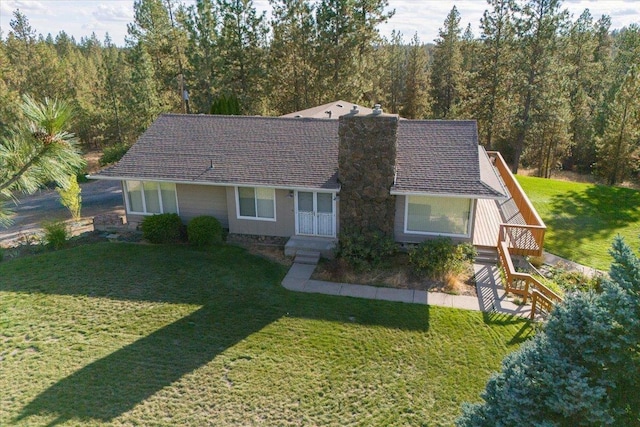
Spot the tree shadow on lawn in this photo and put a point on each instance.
(232, 309)
(599, 212)
(525, 332)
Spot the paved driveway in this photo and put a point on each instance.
(98, 197)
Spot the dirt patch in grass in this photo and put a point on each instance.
(394, 274)
(272, 253)
(269, 247)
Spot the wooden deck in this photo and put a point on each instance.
(486, 229)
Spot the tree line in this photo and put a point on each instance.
(548, 91)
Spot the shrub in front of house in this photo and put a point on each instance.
(56, 234)
(436, 258)
(204, 231)
(162, 228)
(362, 249)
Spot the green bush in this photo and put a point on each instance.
(365, 249)
(570, 281)
(437, 257)
(163, 228)
(204, 231)
(113, 153)
(1, 253)
(56, 234)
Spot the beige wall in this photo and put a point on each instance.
(284, 225)
(401, 236)
(196, 200)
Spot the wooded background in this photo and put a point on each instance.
(548, 92)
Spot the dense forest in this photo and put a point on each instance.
(548, 91)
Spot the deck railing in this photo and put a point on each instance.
(525, 285)
(522, 239)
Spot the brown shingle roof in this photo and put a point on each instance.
(434, 157)
(265, 151)
(442, 157)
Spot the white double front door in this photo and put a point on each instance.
(315, 214)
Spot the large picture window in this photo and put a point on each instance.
(256, 203)
(147, 197)
(437, 215)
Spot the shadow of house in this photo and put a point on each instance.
(231, 310)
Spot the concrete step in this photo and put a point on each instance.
(307, 257)
(296, 244)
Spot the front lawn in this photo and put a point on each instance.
(582, 219)
(124, 334)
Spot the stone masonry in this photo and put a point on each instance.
(366, 169)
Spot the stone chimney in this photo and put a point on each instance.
(366, 170)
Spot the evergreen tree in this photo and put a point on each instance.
(393, 72)
(582, 369)
(336, 62)
(242, 50)
(538, 25)
(155, 31)
(580, 55)
(619, 147)
(114, 75)
(201, 22)
(291, 56)
(446, 71)
(38, 151)
(415, 103)
(490, 102)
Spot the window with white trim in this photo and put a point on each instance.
(256, 203)
(437, 215)
(149, 197)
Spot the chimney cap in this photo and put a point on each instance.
(377, 109)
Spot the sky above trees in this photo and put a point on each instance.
(81, 18)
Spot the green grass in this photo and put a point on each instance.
(123, 334)
(582, 219)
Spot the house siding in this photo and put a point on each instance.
(197, 200)
(283, 226)
(402, 237)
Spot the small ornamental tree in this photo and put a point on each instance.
(71, 198)
(37, 151)
(582, 369)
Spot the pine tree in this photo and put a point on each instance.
(619, 147)
(538, 25)
(291, 56)
(155, 31)
(490, 103)
(416, 99)
(580, 54)
(201, 22)
(39, 150)
(242, 50)
(392, 58)
(336, 49)
(446, 71)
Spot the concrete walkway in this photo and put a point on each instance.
(491, 295)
